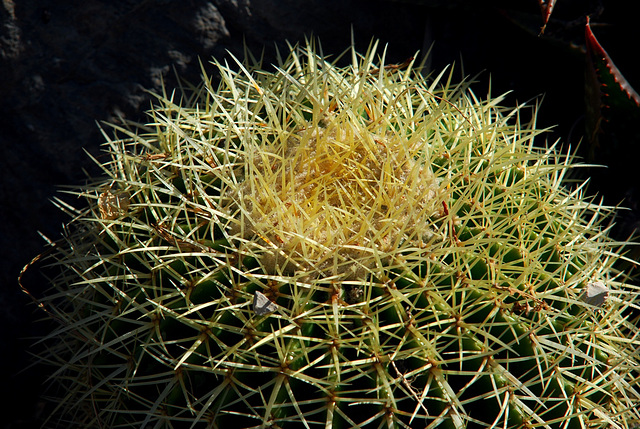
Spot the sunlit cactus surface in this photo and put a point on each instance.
(341, 247)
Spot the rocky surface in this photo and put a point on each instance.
(67, 66)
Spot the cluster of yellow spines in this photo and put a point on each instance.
(337, 199)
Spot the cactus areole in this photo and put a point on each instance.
(339, 247)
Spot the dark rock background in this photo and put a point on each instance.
(66, 66)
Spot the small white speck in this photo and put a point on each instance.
(595, 293)
(262, 305)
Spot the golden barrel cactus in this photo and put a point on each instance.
(339, 247)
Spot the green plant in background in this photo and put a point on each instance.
(338, 247)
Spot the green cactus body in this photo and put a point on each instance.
(338, 247)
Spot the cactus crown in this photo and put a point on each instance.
(342, 247)
(335, 190)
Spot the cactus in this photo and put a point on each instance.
(340, 247)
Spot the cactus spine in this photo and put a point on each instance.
(339, 247)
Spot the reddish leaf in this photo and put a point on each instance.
(546, 7)
(609, 96)
(599, 56)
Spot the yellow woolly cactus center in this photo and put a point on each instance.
(337, 198)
